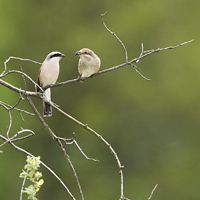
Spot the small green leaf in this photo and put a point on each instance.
(41, 182)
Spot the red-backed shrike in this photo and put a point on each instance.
(89, 63)
(48, 74)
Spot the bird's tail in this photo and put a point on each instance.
(47, 112)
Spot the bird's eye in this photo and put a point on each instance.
(85, 52)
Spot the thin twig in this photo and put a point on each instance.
(134, 67)
(12, 107)
(23, 183)
(17, 58)
(41, 119)
(67, 140)
(76, 177)
(141, 52)
(10, 124)
(21, 138)
(73, 141)
(83, 152)
(152, 192)
(125, 51)
(8, 107)
(23, 74)
(25, 86)
(149, 52)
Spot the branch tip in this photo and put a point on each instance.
(102, 15)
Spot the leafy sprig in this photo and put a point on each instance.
(31, 173)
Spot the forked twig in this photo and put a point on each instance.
(17, 58)
(149, 52)
(73, 141)
(12, 139)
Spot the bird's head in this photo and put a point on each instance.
(86, 53)
(55, 55)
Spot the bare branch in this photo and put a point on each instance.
(135, 60)
(48, 168)
(152, 192)
(54, 137)
(12, 107)
(8, 107)
(23, 77)
(73, 141)
(149, 52)
(23, 74)
(12, 57)
(125, 51)
(17, 139)
(10, 124)
(62, 83)
(83, 152)
(67, 140)
(85, 126)
(134, 67)
(25, 137)
(141, 52)
(4, 73)
(18, 90)
(77, 179)
(23, 183)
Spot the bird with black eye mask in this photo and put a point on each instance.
(48, 74)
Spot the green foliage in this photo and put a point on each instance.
(30, 172)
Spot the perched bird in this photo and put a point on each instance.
(48, 74)
(89, 63)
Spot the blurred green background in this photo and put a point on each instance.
(153, 125)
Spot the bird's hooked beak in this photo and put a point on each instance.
(62, 55)
(78, 53)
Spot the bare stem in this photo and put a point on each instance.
(152, 192)
(125, 51)
(85, 126)
(54, 137)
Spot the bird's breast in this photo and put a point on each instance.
(49, 74)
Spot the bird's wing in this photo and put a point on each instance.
(38, 79)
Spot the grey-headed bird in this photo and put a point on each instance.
(89, 63)
(48, 74)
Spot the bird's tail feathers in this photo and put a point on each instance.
(47, 108)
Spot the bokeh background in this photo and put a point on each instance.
(153, 125)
